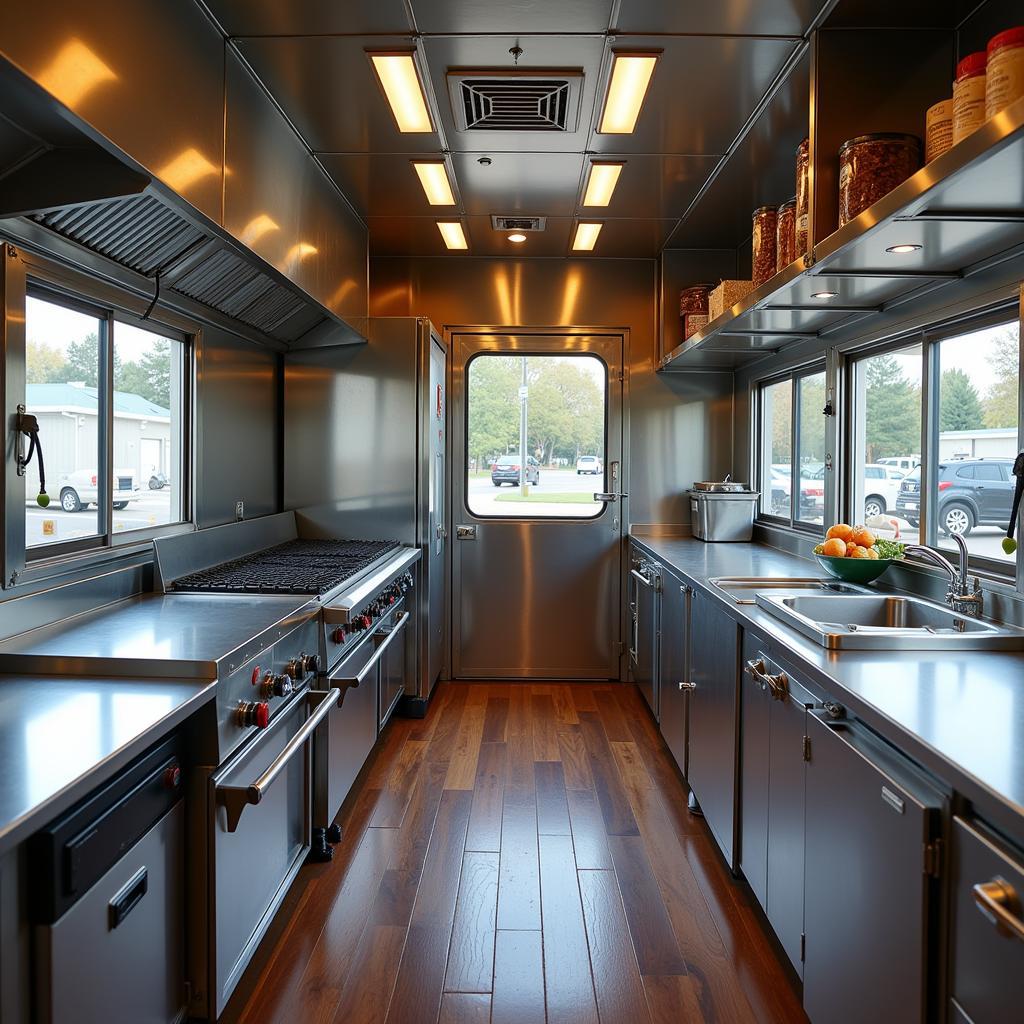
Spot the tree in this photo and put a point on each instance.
(44, 364)
(82, 362)
(959, 403)
(150, 377)
(892, 410)
(1002, 398)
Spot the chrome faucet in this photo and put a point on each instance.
(960, 597)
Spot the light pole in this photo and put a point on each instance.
(524, 486)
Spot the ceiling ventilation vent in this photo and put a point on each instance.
(518, 223)
(503, 100)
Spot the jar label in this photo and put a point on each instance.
(968, 107)
(801, 223)
(1005, 79)
(757, 235)
(845, 173)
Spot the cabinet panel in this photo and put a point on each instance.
(674, 670)
(713, 718)
(754, 769)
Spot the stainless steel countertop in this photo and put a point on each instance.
(60, 738)
(960, 714)
(175, 635)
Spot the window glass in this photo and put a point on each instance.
(776, 448)
(554, 408)
(62, 366)
(148, 406)
(887, 431)
(977, 414)
(811, 444)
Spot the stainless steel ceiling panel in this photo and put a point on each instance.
(512, 15)
(632, 237)
(383, 185)
(114, 64)
(419, 236)
(327, 87)
(703, 90)
(730, 17)
(654, 186)
(284, 207)
(527, 183)
(539, 52)
(310, 17)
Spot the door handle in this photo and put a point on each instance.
(999, 902)
(642, 578)
(684, 686)
(465, 532)
(605, 496)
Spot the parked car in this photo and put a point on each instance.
(904, 462)
(79, 490)
(158, 481)
(589, 464)
(881, 488)
(972, 492)
(506, 471)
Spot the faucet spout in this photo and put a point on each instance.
(961, 597)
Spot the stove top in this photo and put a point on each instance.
(295, 567)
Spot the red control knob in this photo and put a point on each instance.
(261, 715)
(338, 636)
(172, 777)
(256, 675)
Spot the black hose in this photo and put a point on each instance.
(156, 298)
(1018, 472)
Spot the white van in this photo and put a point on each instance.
(904, 462)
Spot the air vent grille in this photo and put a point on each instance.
(503, 101)
(518, 223)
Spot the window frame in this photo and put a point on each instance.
(26, 274)
(795, 375)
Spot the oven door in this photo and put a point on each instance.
(394, 663)
(258, 829)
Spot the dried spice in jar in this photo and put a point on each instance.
(871, 166)
(1004, 77)
(694, 299)
(765, 221)
(969, 96)
(803, 196)
(785, 235)
(938, 132)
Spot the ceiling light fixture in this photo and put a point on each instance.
(452, 233)
(824, 295)
(906, 247)
(601, 183)
(586, 236)
(631, 75)
(433, 177)
(517, 236)
(401, 85)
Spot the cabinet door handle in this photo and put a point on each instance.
(687, 686)
(999, 902)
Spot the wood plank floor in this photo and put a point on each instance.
(523, 854)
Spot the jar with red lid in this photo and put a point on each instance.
(785, 235)
(765, 224)
(803, 195)
(871, 166)
(1004, 77)
(969, 96)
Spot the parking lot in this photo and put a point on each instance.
(571, 489)
(52, 524)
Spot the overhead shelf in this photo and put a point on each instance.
(966, 212)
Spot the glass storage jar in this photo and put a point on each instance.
(694, 299)
(938, 134)
(871, 166)
(785, 235)
(1004, 78)
(765, 221)
(969, 96)
(803, 196)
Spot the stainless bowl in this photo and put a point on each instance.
(720, 486)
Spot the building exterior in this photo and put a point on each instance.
(994, 443)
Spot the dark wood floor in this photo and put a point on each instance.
(522, 854)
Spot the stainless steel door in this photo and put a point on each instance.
(537, 597)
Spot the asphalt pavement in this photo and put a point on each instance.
(483, 495)
(52, 524)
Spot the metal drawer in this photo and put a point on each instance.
(987, 949)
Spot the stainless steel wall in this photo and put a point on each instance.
(679, 425)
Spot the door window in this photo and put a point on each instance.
(546, 413)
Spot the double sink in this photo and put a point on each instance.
(842, 616)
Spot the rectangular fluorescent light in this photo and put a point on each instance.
(401, 85)
(452, 233)
(433, 177)
(601, 184)
(631, 75)
(586, 236)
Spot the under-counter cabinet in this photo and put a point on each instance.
(987, 947)
(645, 578)
(711, 750)
(871, 894)
(673, 666)
(773, 750)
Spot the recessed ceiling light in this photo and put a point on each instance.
(517, 236)
(433, 177)
(631, 75)
(452, 233)
(401, 85)
(905, 248)
(824, 295)
(586, 236)
(601, 183)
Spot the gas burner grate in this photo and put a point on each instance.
(295, 567)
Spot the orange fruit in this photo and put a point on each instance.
(863, 537)
(859, 552)
(840, 530)
(834, 547)
(873, 553)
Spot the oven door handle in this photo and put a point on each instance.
(236, 798)
(389, 639)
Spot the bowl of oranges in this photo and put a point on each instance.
(855, 554)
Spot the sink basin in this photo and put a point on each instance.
(744, 589)
(866, 621)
